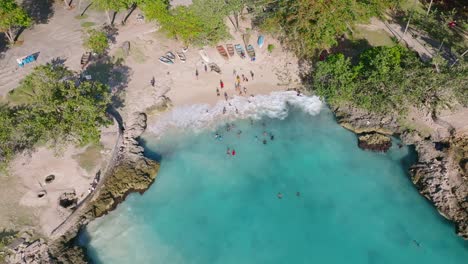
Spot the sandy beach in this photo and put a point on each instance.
(74, 168)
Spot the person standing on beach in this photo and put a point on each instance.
(153, 81)
(221, 84)
(217, 92)
(196, 73)
(225, 96)
(234, 72)
(245, 90)
(252, 74)
(206, 68)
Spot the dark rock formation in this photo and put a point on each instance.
(360, 121)
(374, 142)
(68, 199)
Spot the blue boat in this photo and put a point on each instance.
(260, 41)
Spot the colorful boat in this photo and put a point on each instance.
(204, 56)
(230, 49)
(240, 51)
(222, 52)
(251, 52)
(260, 41)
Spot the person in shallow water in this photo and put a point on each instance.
(233, 152)
(272, 137)
(298, 194)
(228, 151)
(264, 142)
(279, 195)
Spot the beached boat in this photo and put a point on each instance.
(170, 55)
(260, 41)
(204, 56)
(251, 52)
(240, 51)
(85, 58)
(166, 60)
(230, 49)
(222, 52)
(214, 67)
(182, 57)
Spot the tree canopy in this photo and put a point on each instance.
(309, 26)
(11, 17)
(52, 105)
(200, 23)
(388, 79)
(96, 41)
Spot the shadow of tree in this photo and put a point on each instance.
(39, 10)
(114, 74)
(3, 44)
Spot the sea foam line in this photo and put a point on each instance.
(201, 116)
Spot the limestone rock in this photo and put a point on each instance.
(374, 142)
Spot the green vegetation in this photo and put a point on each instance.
(387, 79)
(270, 48)
(96, 41)
(112, 5)
(201, 23)
(87, 24)
(12, 17)
(52, 105)
(311, 26)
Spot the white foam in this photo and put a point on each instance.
(197, 117)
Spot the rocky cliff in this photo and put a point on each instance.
(440, 173)
(130, 171)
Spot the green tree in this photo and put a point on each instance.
(55, 107)
(309, 26)
(389, 79)
(112, 5)
(12, 17)
(200, 23)
(96, 41)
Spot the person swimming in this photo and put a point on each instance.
(298, 194)
(279, 195)
(239, 132)
(233, 152)
(272, 137)
(264, 142)
(228, 151)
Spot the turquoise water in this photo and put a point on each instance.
(339, 204)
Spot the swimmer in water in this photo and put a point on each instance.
(228, 151)
(264, 142)
(279, 195)
(272, 137)
(416, 243)
(239, 133)
(233, 152)
(298, 194)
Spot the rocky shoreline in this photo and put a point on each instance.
(441, 172)
(130, 172)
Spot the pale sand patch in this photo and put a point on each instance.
(30, 171)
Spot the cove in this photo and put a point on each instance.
(339, 204)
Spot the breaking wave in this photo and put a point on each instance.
(200, 116)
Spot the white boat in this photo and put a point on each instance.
(181, 56)
(170, 55)
(204, 56)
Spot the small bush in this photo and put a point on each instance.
(87, 24)
(96, 41)
(270, 48)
